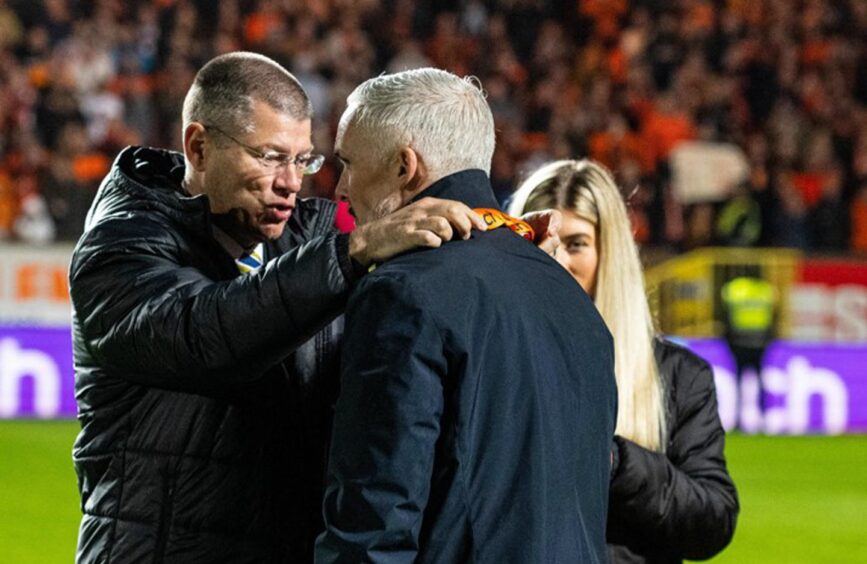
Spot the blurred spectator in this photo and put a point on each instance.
(859, 219)
(8, 205)
(621, 81)
(69, 181)
(739, 222)
(699, 227)
(11, 30)
(830, 217)
(791, 227)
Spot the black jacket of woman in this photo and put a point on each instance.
(681, 504)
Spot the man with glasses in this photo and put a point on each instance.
(204, 298)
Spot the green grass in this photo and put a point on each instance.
(803, 499)
(39, 510)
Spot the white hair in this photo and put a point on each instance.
(443, 117)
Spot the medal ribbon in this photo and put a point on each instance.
(495, 218)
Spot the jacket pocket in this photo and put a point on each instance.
(165, 519)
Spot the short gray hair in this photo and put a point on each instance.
(443, 117)
(224, 90)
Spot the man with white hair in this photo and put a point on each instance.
(477, 401)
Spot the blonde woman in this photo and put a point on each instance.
(671, 497)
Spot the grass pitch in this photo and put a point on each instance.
(803, 499)
(39, 509)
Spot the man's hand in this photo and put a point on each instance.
(426, 223)
(546, 224)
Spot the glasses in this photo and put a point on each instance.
(273, 161)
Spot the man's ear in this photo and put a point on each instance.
(194, 145)
(412, 170)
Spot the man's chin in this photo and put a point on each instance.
(272, 231)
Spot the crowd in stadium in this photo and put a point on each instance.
(621, 81)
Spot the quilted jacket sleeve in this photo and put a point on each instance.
(681, 504)
(145, 316)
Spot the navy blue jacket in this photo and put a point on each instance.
(477, 407)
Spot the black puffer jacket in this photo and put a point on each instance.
(664, 508)
(201, 394)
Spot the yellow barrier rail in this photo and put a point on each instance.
(684, 292)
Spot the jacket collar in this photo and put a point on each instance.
(146, 178)
(471, 187)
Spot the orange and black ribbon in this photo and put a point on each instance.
(495, 218)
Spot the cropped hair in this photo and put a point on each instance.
(588, 189)
(225, 89)
(443, 117)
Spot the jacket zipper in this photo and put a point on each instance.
(165, 518)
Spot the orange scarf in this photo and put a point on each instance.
(495, 218)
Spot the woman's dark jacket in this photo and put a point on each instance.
(202, 408)
(682, 504)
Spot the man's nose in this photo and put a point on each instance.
(340, 192)
(287, 181)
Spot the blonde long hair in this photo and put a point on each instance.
(588, 189)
